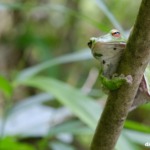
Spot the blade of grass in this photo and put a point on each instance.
(109, 15)
(77, 56)
(137, 126)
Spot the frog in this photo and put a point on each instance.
(108, 50)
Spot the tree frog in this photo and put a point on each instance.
(108, 49)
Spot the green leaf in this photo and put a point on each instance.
(138, 137)
(9, 143)
(137, 126)
(81, 105)
(5, 86)
(125, 144)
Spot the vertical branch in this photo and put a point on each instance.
(134, 62)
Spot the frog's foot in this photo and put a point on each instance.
(127, 78)
(115, 75)
(116, 81)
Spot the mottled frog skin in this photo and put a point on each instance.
(108, 49)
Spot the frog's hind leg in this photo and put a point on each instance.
(143, 95)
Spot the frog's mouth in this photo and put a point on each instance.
(90, 44)
(97, 55)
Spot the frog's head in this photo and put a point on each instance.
(108, 48)
(114, 36)
(107, 45)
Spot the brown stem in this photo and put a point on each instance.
(134, 62)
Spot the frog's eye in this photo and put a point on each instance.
(115, 33)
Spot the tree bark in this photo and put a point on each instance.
(134, 62)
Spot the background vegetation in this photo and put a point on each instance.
(50, 95)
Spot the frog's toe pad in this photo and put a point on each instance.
(115, 75)
(129, 79)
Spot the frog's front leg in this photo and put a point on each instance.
(115, 82)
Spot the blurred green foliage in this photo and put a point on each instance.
(10, 143)
(43, 48)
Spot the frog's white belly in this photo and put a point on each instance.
(109, 65)
(109, 55)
